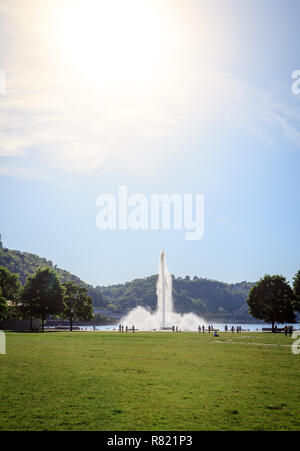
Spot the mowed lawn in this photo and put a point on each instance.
(149, 381)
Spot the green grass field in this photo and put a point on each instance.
(149, 381)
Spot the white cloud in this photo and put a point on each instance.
(55, 119)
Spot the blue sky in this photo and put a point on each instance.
(201, 103)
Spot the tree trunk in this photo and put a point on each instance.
(71, 324)
(273, 327)
(42, 324)
(30, 323)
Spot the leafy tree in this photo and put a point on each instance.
(271, 300)
(10, 287)
(3, 308)
(77, 304)
(9, 284)
(42, 295)
(296, 287)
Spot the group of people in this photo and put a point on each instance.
(121, 328)
(238, 329)
(288, 330)
(210, 328)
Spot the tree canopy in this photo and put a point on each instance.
(10, 287)
(271, 300)
(296, 287)
(77, 304)
(42, 295)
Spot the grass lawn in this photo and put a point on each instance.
(149, 381)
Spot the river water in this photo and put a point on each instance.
(220, 326)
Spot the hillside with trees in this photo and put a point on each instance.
(25, 264)
(208, 298)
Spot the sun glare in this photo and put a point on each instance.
(112, 39)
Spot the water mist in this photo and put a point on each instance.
(164, 318)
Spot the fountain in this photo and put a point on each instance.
(164, 318)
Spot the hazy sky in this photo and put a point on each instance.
(162, 96)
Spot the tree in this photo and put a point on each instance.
(42, 295)
(296, 287)
(3, 307)
(77, 304)
(271, 300)
(10, 284)
(10, 287)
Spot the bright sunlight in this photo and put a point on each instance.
(113, 39)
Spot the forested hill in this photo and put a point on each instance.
(203, 296)
(25, 264)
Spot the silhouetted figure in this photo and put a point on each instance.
(126, 329)
(133, 329)
(216, 334)
(122, 328)
(203, 328)
(209, 329)
(226, 328)
(232, 329)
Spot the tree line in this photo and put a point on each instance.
(42, 296)
(272, 299)
(190, 294)
(25, 264)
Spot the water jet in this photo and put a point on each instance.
(164, 318)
